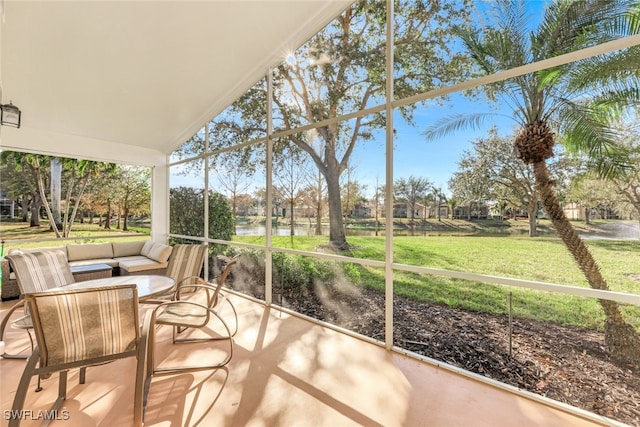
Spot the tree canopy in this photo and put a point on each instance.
(341, 70)
(187, 210)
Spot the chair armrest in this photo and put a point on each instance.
(194, 287)
(153, 301)
(199, 280)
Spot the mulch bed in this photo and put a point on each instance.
(563, 363)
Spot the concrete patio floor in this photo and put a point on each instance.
(287, 371)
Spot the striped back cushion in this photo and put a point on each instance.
(83, 324)
(185, 261)
(41, 270)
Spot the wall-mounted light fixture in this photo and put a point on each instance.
(10, 115)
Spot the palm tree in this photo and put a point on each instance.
(573, 101)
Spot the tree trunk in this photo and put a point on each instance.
(337, 237)
(25, 207)
(125, 226)
(107, 220)
(35, 213)
(76, 206)
(533, 230)
(43, 199)
(56, 191)
(532, 210)
(621, 339)
(412, 217)
(235, 214)
(319, 205)
(291, 218)
(319, 221)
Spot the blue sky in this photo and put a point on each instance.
(436, 160)
(414, 155)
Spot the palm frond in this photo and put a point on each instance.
(479, 51)
(585, 130)
(455, 122)
(619, 99)
(550, 76)
(616, 165)
(571, 25)
(618, 68)
(503, 44)
(626, 22)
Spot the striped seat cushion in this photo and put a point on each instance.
(80, 325)
(186, 261)
(40, 270)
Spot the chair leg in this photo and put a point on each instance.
(143, 381)
(23, 385)
(150, 329)
(62, 396)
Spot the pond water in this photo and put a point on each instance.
(301, 230)
(609, 231)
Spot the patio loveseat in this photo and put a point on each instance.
(124, 258)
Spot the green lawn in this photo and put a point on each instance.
(542, 259)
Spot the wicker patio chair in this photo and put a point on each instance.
(35, 272)
(186, 314)
(80, 328)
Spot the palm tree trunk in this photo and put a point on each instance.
(621, 339)
(532, 212)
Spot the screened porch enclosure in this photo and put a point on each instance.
(308, 146)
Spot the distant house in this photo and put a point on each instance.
(361, 210)
(578, 212)
(403, 210)
(443, 211)
(477, 211)
(298, 212)
(7, 206)
(575, 211)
